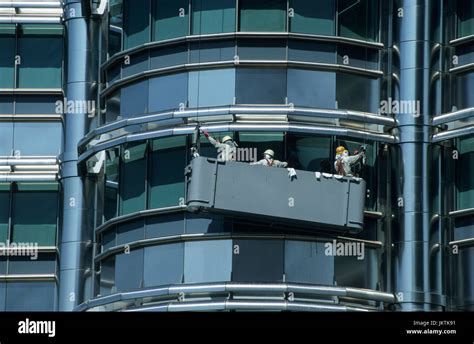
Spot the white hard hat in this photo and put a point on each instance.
(226, 138)
(269, 152)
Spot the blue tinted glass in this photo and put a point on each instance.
(261, 86)
(31, 296)
(211, 87)
(208, 261)
(134, 99)
(164, 265)
(168, 92)
(304, 88)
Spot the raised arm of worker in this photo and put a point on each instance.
(212, 140)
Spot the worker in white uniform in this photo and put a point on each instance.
(269, 160)
(343, 162)
(226, 150)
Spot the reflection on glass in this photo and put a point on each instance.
(136, 22)
(111, 186)
(171, 19)
(166, 172)
(263, 15)
(115, 26)
(313, 17)
(133, 178)
(358, 19)
(213, 16)
(464, 180)
(465, 17)
(34, 216)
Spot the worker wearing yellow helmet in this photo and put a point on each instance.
(226, 149)
(344, 162)
(269, 160)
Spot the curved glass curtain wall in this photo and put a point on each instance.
(150, 174)
(208, 261)
(135, 22)
(29, 215)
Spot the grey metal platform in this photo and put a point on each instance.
(320, 201)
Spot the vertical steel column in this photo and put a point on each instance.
(74, 234)
(414, 275)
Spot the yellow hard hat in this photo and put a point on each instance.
(226, 138)
(269, 152)
(340, 150)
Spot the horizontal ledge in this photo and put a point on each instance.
(270, 127)
(461, 40)
(30, 118)
(22, 247)
(317, 237)
(24, 19)
(236, 35)
(241, 63)
(242, 110)
(463, 242)
(32, 278)
(462, 69)
(451, 134)
(462, 212)
(335, 293)
(453, 116)
(16, 177)
(32, 91)
(30, 4)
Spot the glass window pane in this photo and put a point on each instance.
(44, 264)
(463, 85)
(6, 105)
(358, 56)
(169, 56)
(3, 292)
(263, 141)
(48, 138)
(4, 210)
(133, 167)
(264, 15)
(134, 99)
(355, 92)
(465, 182)
(130, 232)
(311, 51)
(309, 153)
(34, 214)
(171, 19)
(313, 17)
(306, 262)
(258, 261)
(168, 92)
(208, 261)
(138, 63)
(107, 276)
(41, 59)
(465, 18)
(6, 138)
(111, 183)
(206, 223)
(165, 225)
(164, 265)
(7, 57)
(213, 16)
(113, 107)
(212, 51)
(32, 105)
(211, 87)
(254, 49)
(129, 270)
(261, 86)
(115, 26)
(136, 22)
(31, 297)
(358, 19)
(167, 163)
(304, 88)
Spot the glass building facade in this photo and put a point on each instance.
(99, 105)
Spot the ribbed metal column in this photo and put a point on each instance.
(74, 234)
(414, 243)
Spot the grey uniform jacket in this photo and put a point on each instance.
(265, 162)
